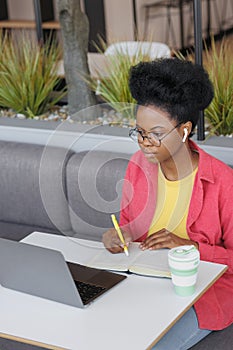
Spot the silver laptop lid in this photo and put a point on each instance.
(37, 271)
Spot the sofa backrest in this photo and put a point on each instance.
(32, 185)
(94, 188)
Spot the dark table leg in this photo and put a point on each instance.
(38, 19)
(135, 24)
(208, 29)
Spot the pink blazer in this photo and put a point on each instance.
(209, 222)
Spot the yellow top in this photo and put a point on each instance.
(173, 198)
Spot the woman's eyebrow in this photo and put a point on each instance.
(155, 127)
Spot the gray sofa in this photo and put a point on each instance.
(53, 190)
(58, 191)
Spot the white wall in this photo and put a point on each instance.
(119, 19)
(21, 9)
(157, 27)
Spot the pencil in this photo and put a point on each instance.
(118, 230)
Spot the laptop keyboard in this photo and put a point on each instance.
(88, 292)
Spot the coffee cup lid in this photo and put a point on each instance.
(184, 252)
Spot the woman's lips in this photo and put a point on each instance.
(149, 154)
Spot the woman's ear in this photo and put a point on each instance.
(185, 134)
(187, 128)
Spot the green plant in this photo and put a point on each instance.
(28, 74)
(219, 64)
(217, 60)
(112, 83)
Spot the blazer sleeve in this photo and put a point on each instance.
(222, 254)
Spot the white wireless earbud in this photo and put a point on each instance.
(185, 134)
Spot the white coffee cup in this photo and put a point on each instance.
(183, 262)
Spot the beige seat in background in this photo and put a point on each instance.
(131, 48)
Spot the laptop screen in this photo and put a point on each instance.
(44, 273)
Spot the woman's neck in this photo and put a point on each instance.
(180, 164)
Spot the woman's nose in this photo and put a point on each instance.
(146, 141)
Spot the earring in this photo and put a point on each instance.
(185, 134)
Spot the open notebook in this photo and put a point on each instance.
(149, 263)
(94, 254)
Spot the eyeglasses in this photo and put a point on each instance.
(139, 136)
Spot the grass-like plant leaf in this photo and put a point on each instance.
(217, 60)
(219, 65)
(112, 83)
(28, 74)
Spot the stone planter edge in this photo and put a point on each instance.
(82, 137)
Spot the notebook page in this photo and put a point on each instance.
(152, 263)
(117, 262)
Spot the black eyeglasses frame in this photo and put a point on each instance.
(157, 141)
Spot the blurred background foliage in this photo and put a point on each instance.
(28, 74)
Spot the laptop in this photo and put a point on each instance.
(45, 273)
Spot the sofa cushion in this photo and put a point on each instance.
(217, 340)
(16, 232)
(10, 344)
(32, 185)
(94, 186)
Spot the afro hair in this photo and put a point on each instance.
(176, 86)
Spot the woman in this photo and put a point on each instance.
(176, 194)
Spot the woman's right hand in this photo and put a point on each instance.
(112, 241)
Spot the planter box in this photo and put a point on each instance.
(220, 147)
(80, 137)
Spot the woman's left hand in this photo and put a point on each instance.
(165, 239)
